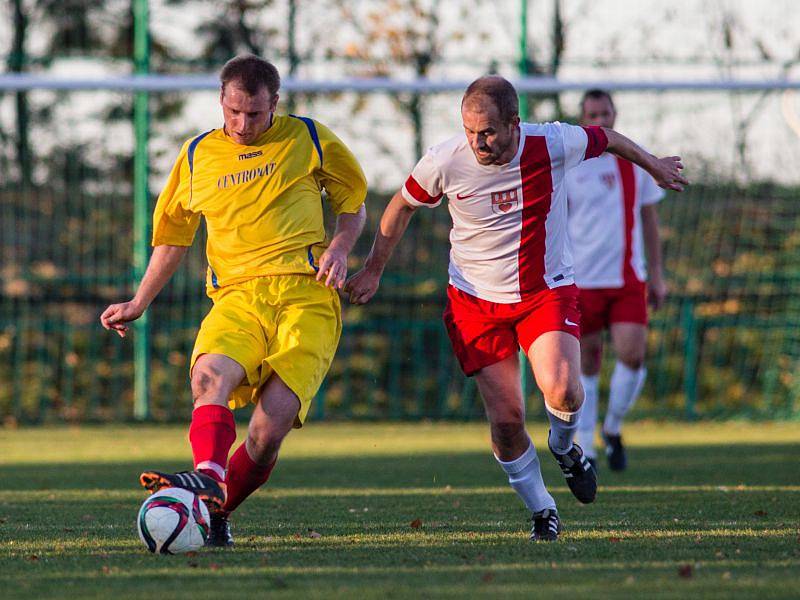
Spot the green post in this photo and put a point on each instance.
(523, 55)
(689, 325)
(141, 209)
(524, 368)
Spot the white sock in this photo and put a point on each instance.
(626, 385)
(563, 426)
(525, 476)
(588, 420)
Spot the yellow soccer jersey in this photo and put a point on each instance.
(261, 202)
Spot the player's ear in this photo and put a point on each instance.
(221, 92)
(274, 102)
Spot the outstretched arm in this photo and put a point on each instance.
(363, 285)
(333, 262)
(666, 171)
(162, 265)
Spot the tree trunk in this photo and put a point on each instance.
(16, 64)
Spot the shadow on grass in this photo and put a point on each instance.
(749, 465)
(674, 506)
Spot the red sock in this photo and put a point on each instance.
(211, 435)
(244, 477)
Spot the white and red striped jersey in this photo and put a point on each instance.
(605, 196)
(509, 235)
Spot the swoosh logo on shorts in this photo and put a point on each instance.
(465, 196)
(570, 323)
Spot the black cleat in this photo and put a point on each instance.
(593, 461)
(581, 477)
(210, 491)
(219, 533)
(615, 452)
(546, 526)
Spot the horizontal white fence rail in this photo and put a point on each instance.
(166, 83)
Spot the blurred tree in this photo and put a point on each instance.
(237, 26)
(736, 39)
(393, 38)
(544, 60)
(73, 30)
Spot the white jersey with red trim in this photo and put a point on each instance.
(605, 197)
(509, 235)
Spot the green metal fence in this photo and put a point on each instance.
(74, 217)
(725, 345)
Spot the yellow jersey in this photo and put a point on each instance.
(262, 203)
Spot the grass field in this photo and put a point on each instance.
(705, 510)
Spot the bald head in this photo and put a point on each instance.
(489, 112)
(495, 91)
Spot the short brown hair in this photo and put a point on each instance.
(251, 73)
(596, 94)
(501, 93)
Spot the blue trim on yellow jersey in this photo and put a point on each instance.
(312, 130)
(311, 260)
(214, 282)
(193, 147)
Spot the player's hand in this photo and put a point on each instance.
(333, 268)
(362, 286)
(656, 292)
(117, 316)
(667, 173)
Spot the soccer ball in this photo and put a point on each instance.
(172, 521)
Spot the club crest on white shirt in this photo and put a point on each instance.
(503, 202)
(609, 179)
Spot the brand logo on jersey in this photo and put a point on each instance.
(608, 179)
(465, 196)
(247, 155)
(503, 202)
(232, 179)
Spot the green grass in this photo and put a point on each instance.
(719, 501)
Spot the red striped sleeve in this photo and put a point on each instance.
(419, 194)
(597, 142)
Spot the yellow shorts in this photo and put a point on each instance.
(287, 324)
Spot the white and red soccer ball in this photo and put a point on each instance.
(173, 521)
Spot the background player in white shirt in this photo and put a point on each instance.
(612, 220)
(511, 279)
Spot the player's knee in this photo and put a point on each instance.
(633, 359)
(508, 430)
(207, 383)
(562, 395)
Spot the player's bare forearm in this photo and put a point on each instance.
(652, 240)
(162, 266)
(333, 262)
(657, 288)
(348, 228)
(363, 285)
(391, 229)
(666, 171)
